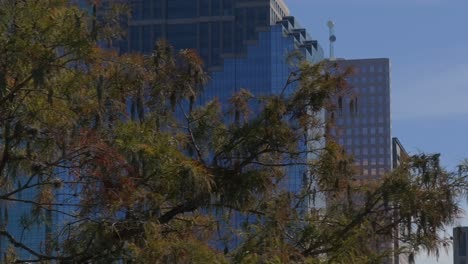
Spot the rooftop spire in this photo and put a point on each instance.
(332, 38)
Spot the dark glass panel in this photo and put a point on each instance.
(204, 7)
(181, 9)
(157, 9)
(148, 39)
(135, 38)
(182, 36)
(228, 7)
(216, 8)
(462, 244)
(137, 9)
(215, 43)
(204, 41)
(147, 9)
(228, 40)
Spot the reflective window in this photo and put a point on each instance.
(204, 7)
(148, 39)
(137, 10)
(227, 7)
(135, 40)
(182, 36)
(157, 9)
(181, 9)
(147, 9)
(357, 141)
(215, 43)
(216, 8)
(228, 37)
(204, 41)
(462, 244)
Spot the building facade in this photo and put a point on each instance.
(25, 226)
(399, 155)
(460, 245)
(243, 43)
(215, 28)
(361, 124)
(35, 227)
(362, 117)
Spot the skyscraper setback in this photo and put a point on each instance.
(243, 43)
(247, 44)
(217, 29)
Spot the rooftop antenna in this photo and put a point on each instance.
(331, 27)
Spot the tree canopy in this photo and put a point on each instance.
(122, 164)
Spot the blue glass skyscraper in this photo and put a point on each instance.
(362, 117)
(362, 125)
(23, 225)
(244, 44)
(217, 29)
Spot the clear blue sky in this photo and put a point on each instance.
(427, 44)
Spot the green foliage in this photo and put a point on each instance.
(117, 147)
(178, 247)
